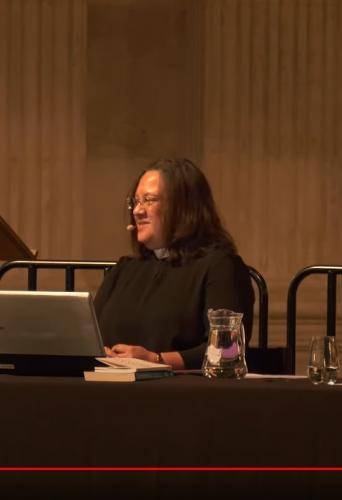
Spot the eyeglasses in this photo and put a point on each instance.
(145, 201)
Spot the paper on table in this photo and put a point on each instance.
(136, 364)
(262, 375)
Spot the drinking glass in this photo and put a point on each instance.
(323, 362)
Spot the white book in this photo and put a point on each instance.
(103, 374)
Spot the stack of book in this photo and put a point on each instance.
(127, 370)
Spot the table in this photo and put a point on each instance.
(182, 421)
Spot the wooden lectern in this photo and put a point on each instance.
(11, 246)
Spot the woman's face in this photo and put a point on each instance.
(148, 212)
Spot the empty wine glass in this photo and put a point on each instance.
(323, 362)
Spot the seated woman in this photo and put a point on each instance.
(154, 305)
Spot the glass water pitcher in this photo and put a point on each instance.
(225, 354)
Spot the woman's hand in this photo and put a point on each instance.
(173, 359)
(131, 351)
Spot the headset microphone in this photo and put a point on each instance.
(130, 227)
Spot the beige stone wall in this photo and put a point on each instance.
(43, 122)
(143, 103)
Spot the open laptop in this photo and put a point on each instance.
(47, 333)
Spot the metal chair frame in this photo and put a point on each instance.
(331, 272)
(263, 306)
(70, 267)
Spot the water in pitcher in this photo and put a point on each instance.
(225, 354)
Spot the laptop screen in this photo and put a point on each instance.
(49, 323)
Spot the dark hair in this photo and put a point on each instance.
(192, 224)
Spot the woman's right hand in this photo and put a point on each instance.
(109, 352)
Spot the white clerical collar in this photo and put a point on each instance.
(161, 253)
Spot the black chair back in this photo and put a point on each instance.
(264, 359)
(331, 272)
(69, 267)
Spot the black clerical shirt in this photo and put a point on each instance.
(163, 306)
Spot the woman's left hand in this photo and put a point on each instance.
(133, 351)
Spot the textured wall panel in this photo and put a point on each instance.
(42, 122)
(272, 142)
